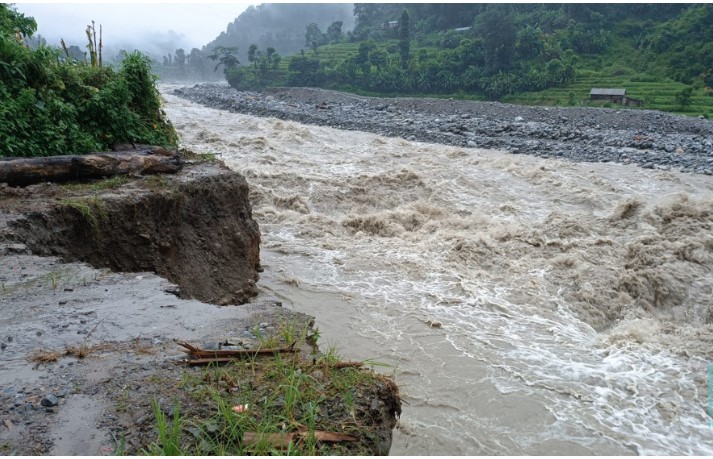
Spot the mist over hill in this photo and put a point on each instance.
(281, 26)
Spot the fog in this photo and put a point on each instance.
(153, 28)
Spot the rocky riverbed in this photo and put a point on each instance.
(650, 139)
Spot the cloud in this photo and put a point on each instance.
(154, 28)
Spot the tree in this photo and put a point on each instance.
(378, 57)
(362, 59)
(334, 32)
(276, 58)
(11, 22)
(314, 37)
(305, 71)
(180, 59)
(270, 51)
(252, 54)
(225, 55)
(405, 37)
(499, 36)
(196, 60)
(683, 97)
(529, 42)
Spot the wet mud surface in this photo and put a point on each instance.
(124, 326)
(86, 350)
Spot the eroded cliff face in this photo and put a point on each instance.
(195, 229)
(87, 331)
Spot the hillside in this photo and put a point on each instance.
(279, 25)
(531, 54)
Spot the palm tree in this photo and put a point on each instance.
(270, 51)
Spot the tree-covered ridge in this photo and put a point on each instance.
(51, 104)
(278, 25)
(497, 50)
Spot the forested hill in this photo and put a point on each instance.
(280, 26)
(527, 53)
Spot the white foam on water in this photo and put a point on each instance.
(573, 302)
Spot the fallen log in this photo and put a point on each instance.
(28, 171)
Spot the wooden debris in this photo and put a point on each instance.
(200, 356)
(28, 171)
(282, 441)
(348, 364)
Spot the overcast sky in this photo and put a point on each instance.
(186, 25)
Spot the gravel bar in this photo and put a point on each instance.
(648, 138)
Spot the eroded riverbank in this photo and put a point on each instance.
(87, 351)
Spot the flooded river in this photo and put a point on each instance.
(524, 306)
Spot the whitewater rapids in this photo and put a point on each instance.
(526, 306)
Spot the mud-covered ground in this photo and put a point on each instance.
(112, 334)
(85, 351)
(648, 138)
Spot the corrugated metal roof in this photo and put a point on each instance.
(607, 92)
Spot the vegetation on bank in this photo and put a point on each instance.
(51, 104)
(523, 53)
(280, 404)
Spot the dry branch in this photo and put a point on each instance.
(200, 356)
(27, 171)
(347, 364)
(281, 441)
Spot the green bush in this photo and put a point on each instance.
(49, 106)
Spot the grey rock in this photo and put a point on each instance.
(49, 400)
(15, 249)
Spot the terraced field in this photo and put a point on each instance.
(657, 95)
(614, 70)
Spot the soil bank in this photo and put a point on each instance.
(99, 280)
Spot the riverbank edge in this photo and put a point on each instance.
(46, 234)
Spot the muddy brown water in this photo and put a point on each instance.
(572, 303)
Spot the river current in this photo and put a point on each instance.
(524, 306)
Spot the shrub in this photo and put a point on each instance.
(49, 106)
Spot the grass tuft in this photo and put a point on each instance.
(199, 157)
(169, 436)
(272, 405)
(99, 185)
(93, 210)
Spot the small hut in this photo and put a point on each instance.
(614, 95)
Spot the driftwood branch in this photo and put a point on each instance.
(27, 171)
(200, 356)
(281, 441)
(346, 364)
